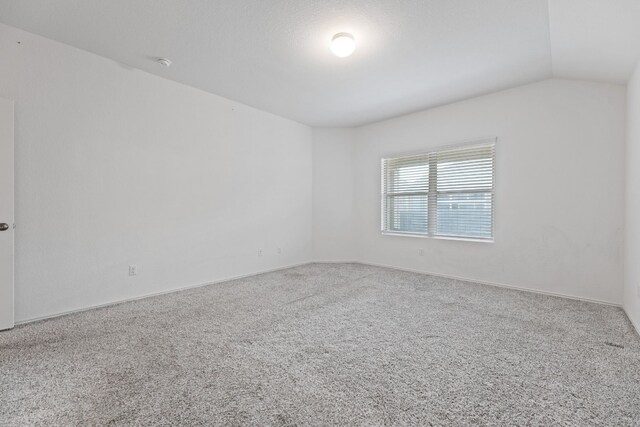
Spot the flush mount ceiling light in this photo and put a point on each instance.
(343, 44)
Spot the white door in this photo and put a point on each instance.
(6, 214)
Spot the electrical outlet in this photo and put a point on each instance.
(260, 252)
(279, 250)
(133, 270)
(421, 252)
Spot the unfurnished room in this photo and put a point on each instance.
(320, 212)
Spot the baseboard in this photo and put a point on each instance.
(448, 276)
(635, 325)
(334, 262)
(155, 294)
(499, 285)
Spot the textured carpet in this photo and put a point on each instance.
(327, 344)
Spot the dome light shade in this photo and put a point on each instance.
(343, 44)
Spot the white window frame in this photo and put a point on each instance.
(432, 208)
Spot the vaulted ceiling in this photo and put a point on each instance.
(411, 54)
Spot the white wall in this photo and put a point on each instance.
(559, 210)
(631, 299)
(333, 197)
(116, 167)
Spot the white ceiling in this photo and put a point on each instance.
(595, 39)
(411, 54)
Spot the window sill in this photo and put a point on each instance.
(424, 236)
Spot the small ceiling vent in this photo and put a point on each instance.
(164, 62)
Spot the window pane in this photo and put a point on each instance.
(408, 178)
(448, 192)
(407, 214)
(464, 214)
(473, 174)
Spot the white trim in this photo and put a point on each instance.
(155, 294)
(499, 285)
(448, 146)
(437, 237)
(448, 276)
(334, 262)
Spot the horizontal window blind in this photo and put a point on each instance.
(406, 184)
(448, 192)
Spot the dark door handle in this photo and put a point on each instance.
(4, 226)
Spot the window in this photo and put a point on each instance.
(444, 193)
